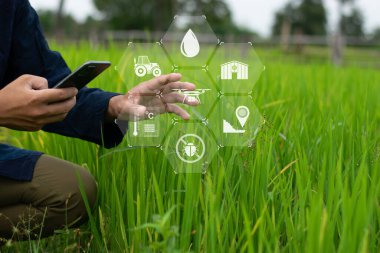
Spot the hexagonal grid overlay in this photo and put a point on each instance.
(141, 62)
(190, 41)
(205, 92)
(225, 75)
(235, 68)
(235, 121)
(189, 147)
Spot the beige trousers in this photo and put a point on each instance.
(52, 200)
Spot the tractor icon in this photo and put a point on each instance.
(143, 66)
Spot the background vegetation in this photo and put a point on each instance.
(308, 17)
(311, 182)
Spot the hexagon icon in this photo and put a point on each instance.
(205, 92)
(141, 62)
(147, 125)
(190, 41)
(235, 121)
(189, 147)
(235, 68)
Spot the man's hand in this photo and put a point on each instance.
(27, 103)
(158, 93)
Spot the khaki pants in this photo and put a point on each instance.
(52, 200)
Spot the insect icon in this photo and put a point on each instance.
(190, 148)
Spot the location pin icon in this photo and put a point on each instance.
(242, 113)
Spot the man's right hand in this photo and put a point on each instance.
(28, 104)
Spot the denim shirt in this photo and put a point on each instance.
(24, 50)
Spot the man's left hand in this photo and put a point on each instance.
(159, 93)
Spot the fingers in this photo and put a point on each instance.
(175, 97)
(158, 82)
(60, 108)
(35, 82)
(55, 95)
(53, 119)
(178, 111)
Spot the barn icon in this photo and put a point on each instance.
(234, 69)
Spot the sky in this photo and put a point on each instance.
(254, 14)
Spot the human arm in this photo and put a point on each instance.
(30, 54)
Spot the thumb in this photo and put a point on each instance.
(37, 83)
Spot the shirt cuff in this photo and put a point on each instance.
(111, 133)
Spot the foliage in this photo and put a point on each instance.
(48, 18)
(311, 183)
(283, 17)
(137, 15)
(156, 15)
(353, 23)
(308, 17)
(217, 12)
(376, 34)
(70, 27)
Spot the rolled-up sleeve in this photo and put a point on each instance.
(30, 54)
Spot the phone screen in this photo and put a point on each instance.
(83, 75)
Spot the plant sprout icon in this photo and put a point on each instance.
(190, 148)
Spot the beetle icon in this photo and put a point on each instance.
(190, 148)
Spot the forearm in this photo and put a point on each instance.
(90, 119)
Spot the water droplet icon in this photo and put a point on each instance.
(190, 45)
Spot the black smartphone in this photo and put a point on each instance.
(83, 75)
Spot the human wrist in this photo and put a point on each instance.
(114, 108)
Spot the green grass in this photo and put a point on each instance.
(311, 182)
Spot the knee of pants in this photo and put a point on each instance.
(62, 196)
(84, 190)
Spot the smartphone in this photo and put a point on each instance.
(83, 75)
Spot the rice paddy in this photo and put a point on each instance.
(309, 183)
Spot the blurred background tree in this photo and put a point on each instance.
(217, 12)
(156, 15)
(295, 19)
(307, 17)
(66, 23)
(376, 34)
(311, 18)
(59, 19)
(69, 27)
(348, 25)
(284, 19)
(137, 15)
(353, 23)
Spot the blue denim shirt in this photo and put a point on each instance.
(24, 50)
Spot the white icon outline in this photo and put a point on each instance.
(229, 129)
(241, 117)
(143, 66)
(150, 130)
(234, 68)
(190, 152)
(190, 47)
(192, 95)
(242, 113)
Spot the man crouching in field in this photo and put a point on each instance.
(38, 189)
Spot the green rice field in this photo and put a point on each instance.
(309, 183)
